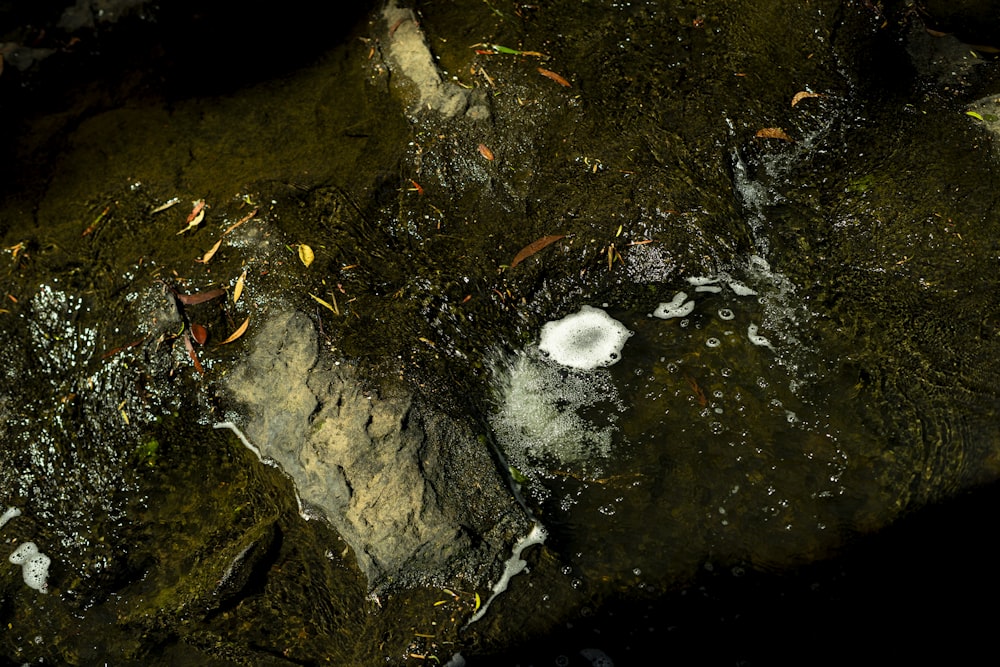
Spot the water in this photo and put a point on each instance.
(834, 376)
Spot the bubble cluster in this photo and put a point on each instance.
(34, 565)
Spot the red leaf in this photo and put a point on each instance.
(533, 247)
(199, 333)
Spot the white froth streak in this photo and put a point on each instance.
(239, 434)
(260, 457)
(514, 566)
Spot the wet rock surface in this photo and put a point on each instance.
(411, 489)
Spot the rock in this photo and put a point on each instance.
(413, 491)
(410, 57)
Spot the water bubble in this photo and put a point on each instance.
(726, 314)
(716, 428)
(713, 342)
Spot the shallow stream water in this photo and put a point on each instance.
(831, 378)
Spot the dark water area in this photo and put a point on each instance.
(800, 469)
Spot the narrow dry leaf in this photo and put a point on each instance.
(324, 304)
(533, 247)
(773, 133)
(211, 253)
(200, 297)
(239, 332)
(238, 290)
(191, 353)
(485, 151)
(167, 204)
(240, 221)
(306, 254)
(803, 95)
(555, 77)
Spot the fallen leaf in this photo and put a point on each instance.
(193, 354)
(555, 77)
(200, 297)
(238, 290)
(773, 133)
(167, 204)
(306, 254)
(211, 253)
(199, 208)
(199, 333)
(803, 95)
(194, 222)
(533, 247)
(240, 221)
(325, 304)
(239, 332)
(485, 151)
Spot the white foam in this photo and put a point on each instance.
(514, 566)
(756, 338)
(700, 281)
(740, 289)
(539, 415)
(679, 306)
(586, 339)
(34, 565)
(11, 513)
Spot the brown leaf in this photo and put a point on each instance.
(199, 333)
(555, 77)
(485, 151)
(240, 222)
(239, 332)
(533, 247)
(193, 354)
(773, 133)
(200, 297)
(803, 95)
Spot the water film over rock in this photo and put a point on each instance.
(279, 383)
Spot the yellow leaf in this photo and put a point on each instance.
(803, 95)
(239, 332)
(975, 115)
(211, 253)
(478, 603)
(306, 254)
(238, 290)
(324, 303)
(773, 133)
